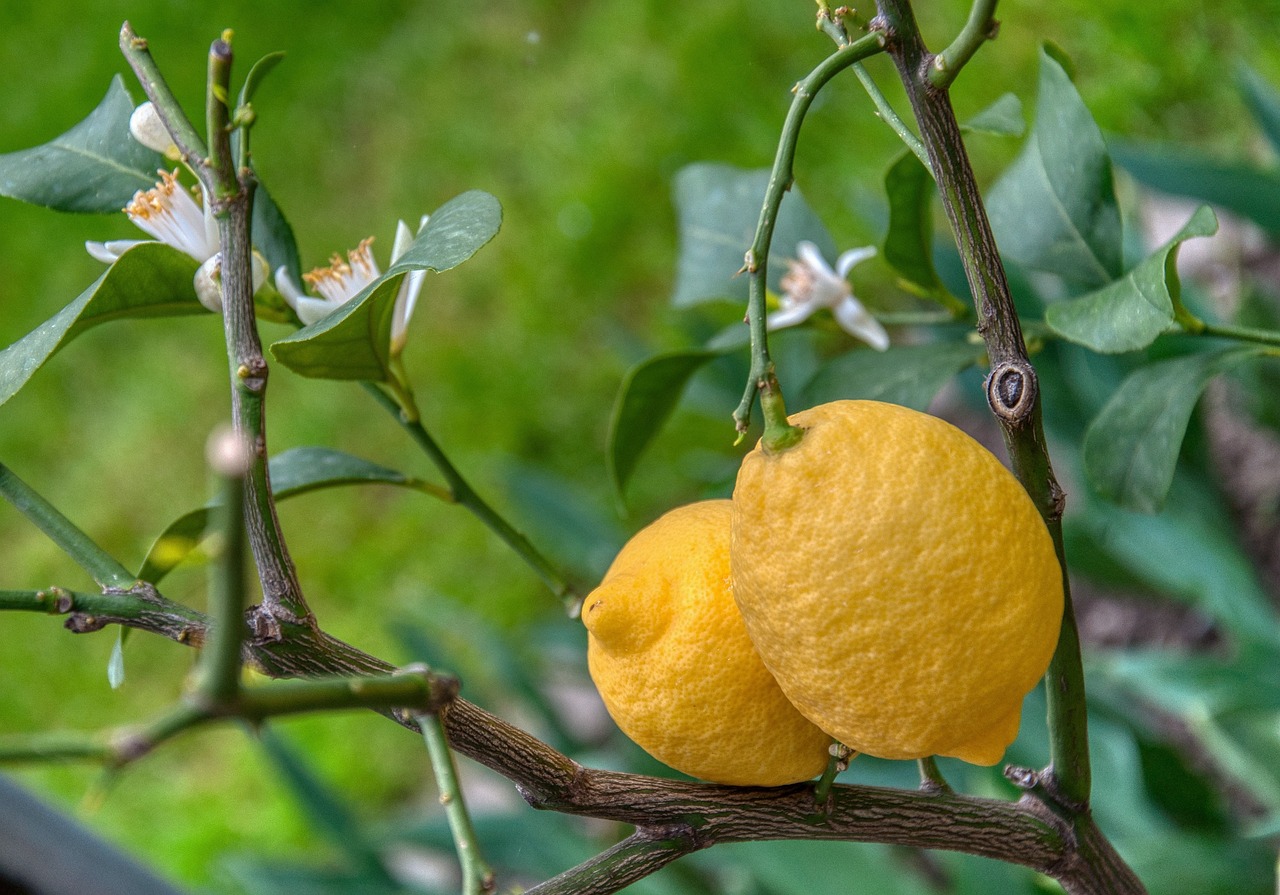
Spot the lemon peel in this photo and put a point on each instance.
(671, 659)
(897, 581)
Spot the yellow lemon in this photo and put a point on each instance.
(897, 580)
(670, 656)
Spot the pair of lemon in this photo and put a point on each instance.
(885, 583)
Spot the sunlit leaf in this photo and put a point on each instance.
(296, 471)
(1240, 187)
(96, 166)
(910, 375)
(354, 342)
(1054, 209)
(1131, 448)
(646, 399)
(718, 207)
(908, 244)
(149, 280)
(1131, 312)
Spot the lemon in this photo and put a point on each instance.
(897, 580)
(670, 656)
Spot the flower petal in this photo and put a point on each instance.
(790, 315)
(107, 252)
(208, 283)
(147, 128)
(809, 254)
(848, 260)
(858, 322)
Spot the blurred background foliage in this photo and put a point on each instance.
(577, 117)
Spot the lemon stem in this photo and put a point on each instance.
(779, 435)
(762, 378)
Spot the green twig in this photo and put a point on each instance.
(184, 135)
(463, 494)
(980, 28)
(477, 877)
(890, 117)
(762, 376)
(1238, 333)
(218, 675)
(102, 566)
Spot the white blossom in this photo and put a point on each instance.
(168, 214)
(810, 284)
(344, 279)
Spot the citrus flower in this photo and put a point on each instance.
(343, 280)
(170, 215)
(810, 284)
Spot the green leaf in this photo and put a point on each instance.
(260, 70)
(910, 375)
(1263, 101)
(718, 207)
(1239, 187)
(1131, 448)
(908, 245)
(149, 280)
(96, 166)
(1002, 118)
(296, 471)
(354, 342)
(1129, 313)
(1054, 209)
(646, 399)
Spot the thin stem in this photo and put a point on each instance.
(980, 28)
(184, 135)
(102, 566)
(465, 495)
(641, 854)
(477, 877)
(890, 117)
(1239, 333)
(1012, 387)
(931, 779)
(219, 673)
(762, 373)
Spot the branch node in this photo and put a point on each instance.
(1012, 390)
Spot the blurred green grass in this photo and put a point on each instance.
(575, 116)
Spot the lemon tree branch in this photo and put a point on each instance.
(762, 379)
(230, 195)
(1012, 389)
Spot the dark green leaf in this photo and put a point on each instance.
(910, 375)
(43, 850)
(296, 471)
(149, 280)
(1239, 187)
(96, 166)
(647, 397)
(1055, 208)
(273, 236)
(354, 342)
(908, 245)
(1131, 312)
(1131, 448)
(1263, 102)
(718, 207)
(1002, 118)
